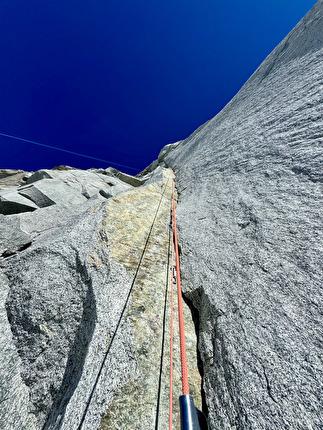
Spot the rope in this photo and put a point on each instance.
(121, 315)
(68, 151)
(171, 337)
(163, 338)
(185, 387)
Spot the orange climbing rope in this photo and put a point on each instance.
(189, 414)
(185, 388)
(171, 337)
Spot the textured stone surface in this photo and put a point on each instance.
(64, 187)
(11, 202)
(12, 238)
(13, 392)
(51, 310)
(66, 271)
(5, 173)
(135, 405)
(13, 178)
(250, 222)
(128, 179)
(78, 351)
(58, 300)
(33, 193)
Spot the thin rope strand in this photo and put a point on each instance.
(68, 151)
(121, 315)
(171, 337)
(185, 386)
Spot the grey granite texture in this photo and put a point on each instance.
(250, 223)
(60, 298)
(131, 180)
(65, 188)
(11, 202)
(9, 177)
(12, 238)
(77, 350)
(249, 215)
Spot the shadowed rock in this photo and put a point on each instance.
(128, 179)
(12, 238)
(35, 195)
(11, 202)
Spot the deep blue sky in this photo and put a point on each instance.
(117, 79)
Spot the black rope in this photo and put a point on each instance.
(163, 338)
(121, 316)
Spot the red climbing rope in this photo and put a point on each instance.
(185, 388)
(171, 337)
(189, 414)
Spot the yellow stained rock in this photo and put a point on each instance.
(127, 226)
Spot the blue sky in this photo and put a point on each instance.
(118, 80)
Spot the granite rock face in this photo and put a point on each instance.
(84, 307)
(250, 222)
(84, 270)
(55, 282)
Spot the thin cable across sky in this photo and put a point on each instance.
(68, 151)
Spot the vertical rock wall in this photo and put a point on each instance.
(250, 220)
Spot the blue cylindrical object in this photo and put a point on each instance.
(189, 415)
